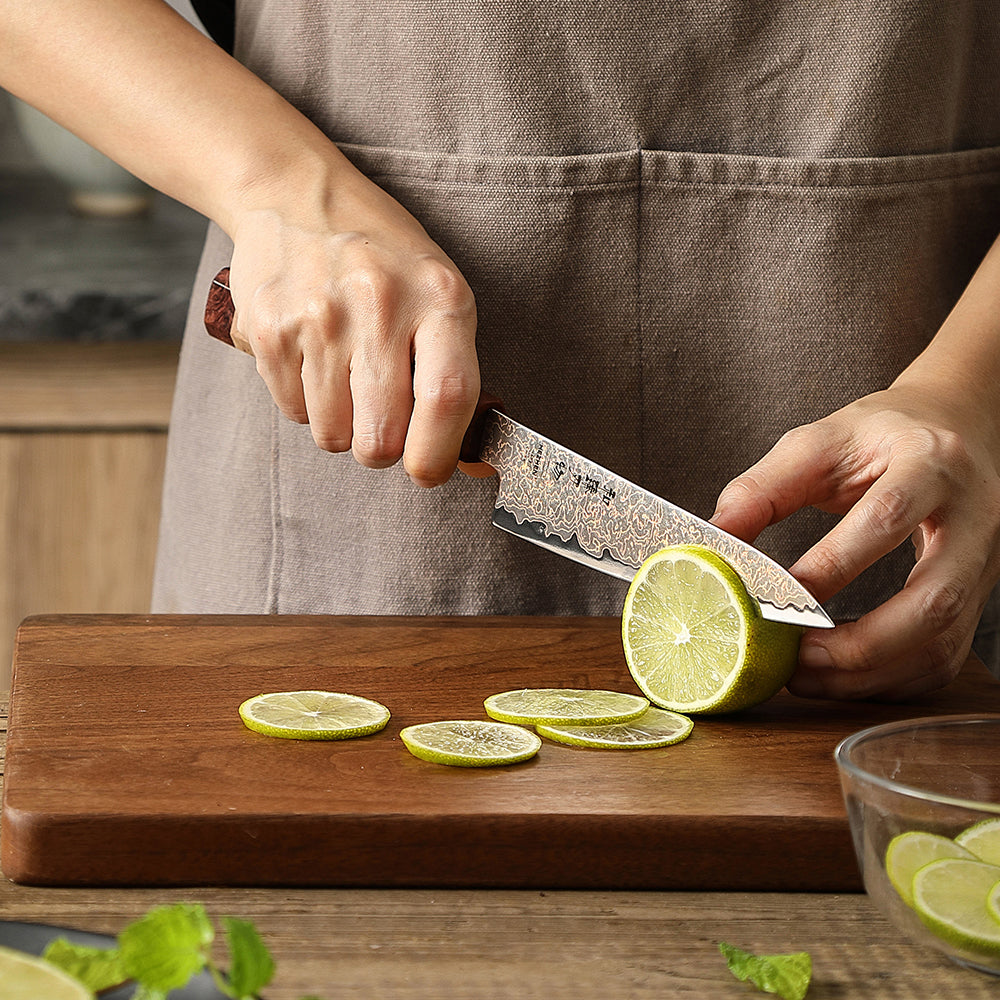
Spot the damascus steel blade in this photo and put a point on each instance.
(555, 498)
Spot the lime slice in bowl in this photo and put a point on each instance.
(656, 727)
(908, 852)
(950, 897)
(313, 715)
(470, 743)
(576, 706)
(694, 638)
(983, 840)
(26, 977)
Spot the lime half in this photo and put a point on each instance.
(694, 638)
(656, 727)
(26, 977)
(983, 839)
(950, 896)
(551, 706)
(313, 715)
(910, 851)
(470, 743)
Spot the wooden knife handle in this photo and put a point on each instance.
(219, 308)
(219, 314)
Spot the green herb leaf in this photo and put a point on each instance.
(97, 968)
(251, 966)
(166, 947)
(786, 975)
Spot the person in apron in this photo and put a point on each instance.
(702, 243)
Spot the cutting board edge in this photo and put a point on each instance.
(589, 851)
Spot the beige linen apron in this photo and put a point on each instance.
(689, 227)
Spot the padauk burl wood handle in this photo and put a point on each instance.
(219, 315)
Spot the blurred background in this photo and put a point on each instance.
(96, 274)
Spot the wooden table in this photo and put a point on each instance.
(395, 944)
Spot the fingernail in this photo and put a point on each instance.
(815, 657)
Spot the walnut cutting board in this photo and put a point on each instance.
(127, 764)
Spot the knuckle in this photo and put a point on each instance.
(945, 452)
(445, 287)
(377, 448)
(944, 655)
(860, 657)
(889, 510)
(942, 605)
(451, 394)
(331, 439)
(825, 567)
(808, 438)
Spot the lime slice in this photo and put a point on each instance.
(993, 902)
(656, 727)
(470, 744)
(26, 977)
(551, 706)
(694, 638)
(909, 852)
(950, 896)
(983, 839)
(313, 715)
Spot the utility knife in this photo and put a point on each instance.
(555, 498)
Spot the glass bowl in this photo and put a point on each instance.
(938, 776)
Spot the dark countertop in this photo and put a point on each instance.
(66, 277)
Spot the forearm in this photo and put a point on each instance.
(136, 81)
(962, 362)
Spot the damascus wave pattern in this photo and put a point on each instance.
(569, 495)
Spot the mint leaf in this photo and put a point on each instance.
(251, 966)
(97, 968)
(786, 975)
(166, 947)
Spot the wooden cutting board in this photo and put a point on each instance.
(127, 764)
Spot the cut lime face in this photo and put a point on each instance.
(470, 743)
(313, 715)
(656, 727)
(951, 895)
(26, 977)
(694, 638)
(553, 706)
(983, 840)
(910, 851)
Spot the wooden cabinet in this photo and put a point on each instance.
(82, 445)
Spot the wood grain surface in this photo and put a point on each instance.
(539, 945)
(128, 765)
